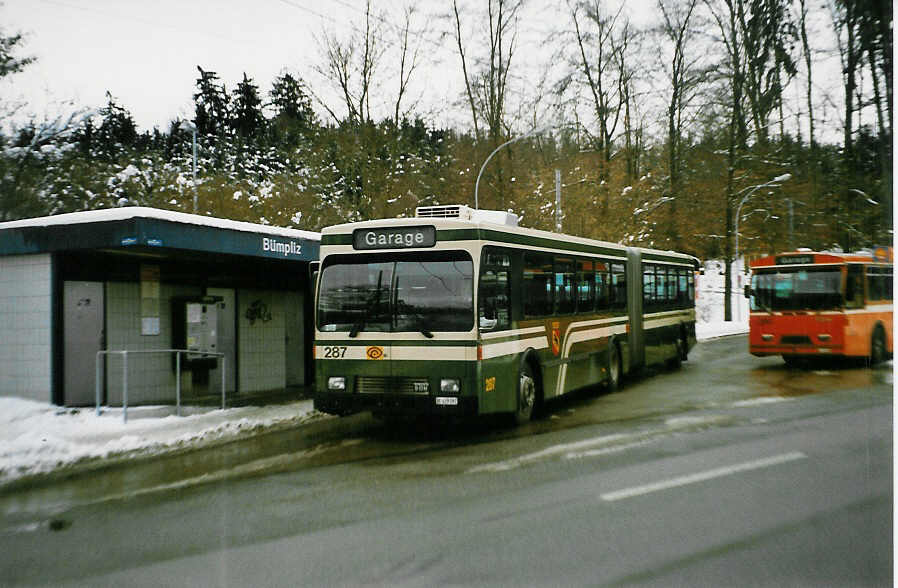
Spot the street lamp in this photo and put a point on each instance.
(189, 126)
(775, 182)
(535, 131)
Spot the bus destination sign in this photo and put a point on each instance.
(794, 259)
(394, 238)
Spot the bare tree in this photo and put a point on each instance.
(685, 74)
(464, 67)
(486, 80)
(808, 62)
(351, 65)
(601, 45)
(767, 33)
(727, 23)
(486, 85)
(409, 52)
(846, 22)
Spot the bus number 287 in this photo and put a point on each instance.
(334, 352)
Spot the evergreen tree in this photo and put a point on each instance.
(210, 103)
(293, 114)
(10, 64)
(246, 118)
(117, 129)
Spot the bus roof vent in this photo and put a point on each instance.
(804, 249)
(458, 211)
(462, 212)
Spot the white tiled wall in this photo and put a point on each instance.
(151, 378)
(261, 350)
(25, 327)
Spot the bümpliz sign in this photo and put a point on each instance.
(394, 238)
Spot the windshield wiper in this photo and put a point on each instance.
(421, 324)
(423, 328)
(369, 307)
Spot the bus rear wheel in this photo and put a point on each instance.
(526, 396)
(614, 370)
(676, 362)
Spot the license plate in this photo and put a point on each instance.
(447, 401)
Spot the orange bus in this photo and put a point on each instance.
(810, 304)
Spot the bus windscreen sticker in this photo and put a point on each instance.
(394, 238)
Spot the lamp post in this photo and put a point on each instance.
(775, 182)
(189, 126)
(535, 131)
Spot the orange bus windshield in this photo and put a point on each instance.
(798, 288)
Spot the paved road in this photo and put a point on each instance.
(732, 471)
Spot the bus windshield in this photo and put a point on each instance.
(419, 292)
(797, 289)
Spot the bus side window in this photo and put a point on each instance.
(682, 287)
(661, 285)
(538, 278)
(494, 300)
(671, 287)
(618, 286)
(586, 286)
(854, 287)
(648, 285)
(603, 301)
(565, 301)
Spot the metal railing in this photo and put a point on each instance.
(124, 353)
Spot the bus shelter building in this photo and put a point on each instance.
(78, 289)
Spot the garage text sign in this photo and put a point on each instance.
(394, 238)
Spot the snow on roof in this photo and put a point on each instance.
(132, 212)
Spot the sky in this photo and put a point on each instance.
(146, 53)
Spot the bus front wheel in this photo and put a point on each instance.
(877, 346)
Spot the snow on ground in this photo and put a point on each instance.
(36, 438)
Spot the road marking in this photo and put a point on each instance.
(702, 476)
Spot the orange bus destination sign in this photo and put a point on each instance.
(794, 259)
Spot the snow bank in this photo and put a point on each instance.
(37, 438)
(709, 302)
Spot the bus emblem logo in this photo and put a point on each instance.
(374, 352)
(556, 338)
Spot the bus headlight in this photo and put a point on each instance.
(450, 386)
(336, 383)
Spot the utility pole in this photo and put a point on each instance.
(558, 216)
(189, 126)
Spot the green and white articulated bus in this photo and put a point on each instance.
(461, 312)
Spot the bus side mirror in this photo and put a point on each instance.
(747, 291)
(313, 271)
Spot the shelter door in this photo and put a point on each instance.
(83, 304)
